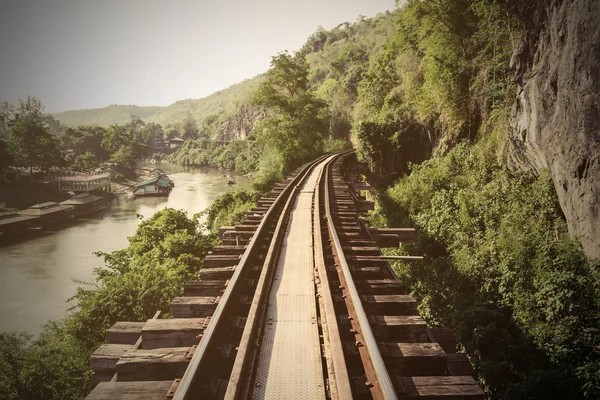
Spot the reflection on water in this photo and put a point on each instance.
(38, 275)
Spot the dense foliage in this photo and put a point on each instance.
(230, 208)
(521, 296)
(166, 251)
(32, 139)
(238, 155)
(501, 269)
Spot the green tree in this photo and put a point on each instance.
(151, 133)
(122, 144)
(6, 114)
(6, 158)
(53, 367)
(189, 127)
(86, 162)
(298, 121)
(32, 145)
(85, 139)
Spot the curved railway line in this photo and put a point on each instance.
(297, 302)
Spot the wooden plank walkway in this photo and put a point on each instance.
(289, 364)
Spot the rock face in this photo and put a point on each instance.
(556, 117)
(239, 125)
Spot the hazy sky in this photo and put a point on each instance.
(74, 54)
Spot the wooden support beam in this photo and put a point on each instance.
(390, 304)
(146, 390)
(232, 234)
(194, 307)
(399, 328)
(445, 337)
(365, 205)
(387, 240)
(413, 359)
(105, 357)
(248, 228)
(381, 286)
(124, 332)
(221, 260)
(224, 249)
(404, 234)
(204, 288)
(366, 259)
(438, 387)
(173, 332)
(153, 364)
(213, 274)
(224, 229)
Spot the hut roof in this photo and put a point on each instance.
(80, 199)
(11, 217)
(45, 208)
(162, 181)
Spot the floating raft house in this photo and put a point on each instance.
(157, 186)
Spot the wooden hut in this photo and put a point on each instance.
(175, 143)
(157, 186)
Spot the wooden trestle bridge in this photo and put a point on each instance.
(297, 303)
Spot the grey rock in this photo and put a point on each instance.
(556, 116)
(240, 124)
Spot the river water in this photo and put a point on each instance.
(38, 275)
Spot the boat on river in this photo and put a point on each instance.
(86, 204)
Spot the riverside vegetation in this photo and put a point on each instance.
(424, 94)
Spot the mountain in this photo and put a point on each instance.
(222, 102)
(113, 114)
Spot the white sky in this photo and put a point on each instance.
(75, 54)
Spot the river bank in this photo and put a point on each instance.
(39, 275)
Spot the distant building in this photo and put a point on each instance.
(85, 203)
(175, 143)
(12, 224)
(89, 183)
(160, 145)
(50, 213)
(157, 186)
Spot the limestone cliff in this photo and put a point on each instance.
(556, 116)
(240, 124)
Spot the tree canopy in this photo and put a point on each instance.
(298, 122)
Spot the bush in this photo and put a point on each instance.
(502, 270)
(230, 208)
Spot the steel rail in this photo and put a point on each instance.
(340, 387)
(184, 390)
(385, 382)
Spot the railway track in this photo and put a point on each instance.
(298, 302)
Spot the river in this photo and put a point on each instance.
(38, 275)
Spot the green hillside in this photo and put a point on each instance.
(217, 103)
(224, 101)
(106, 116)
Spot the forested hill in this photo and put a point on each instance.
(218, 103)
